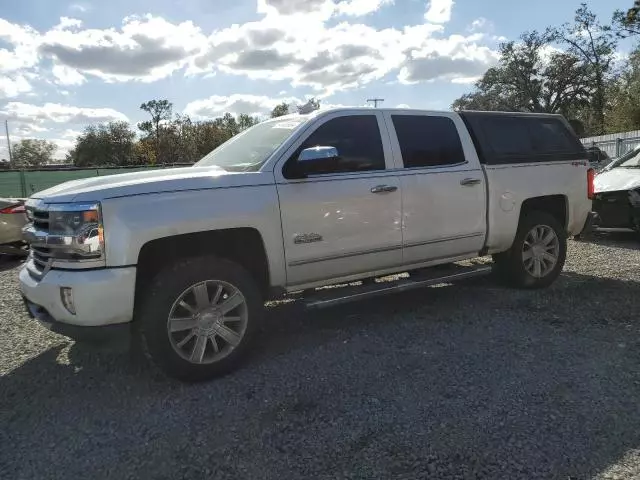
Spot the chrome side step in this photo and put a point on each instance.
(332, 296)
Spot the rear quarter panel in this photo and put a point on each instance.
(511, 185)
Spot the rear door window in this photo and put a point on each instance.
(428, 141)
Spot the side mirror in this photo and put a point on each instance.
(316, 160)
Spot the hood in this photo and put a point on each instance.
(617, 179)
(154, 181)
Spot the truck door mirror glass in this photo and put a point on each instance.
(317, 160)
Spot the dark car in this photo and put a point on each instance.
(596, 156)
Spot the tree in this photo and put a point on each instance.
(30, 152)
(623, 112)
(160, 111)
(311, 105)
(532, 78)
(245, 121)
(595, 45)
(280, 110)
(627, 23)
(110, 144)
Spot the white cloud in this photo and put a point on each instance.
(145, 48)
(466, 80)
(72, 134)
(217, 105)
(79, 7)
(321, 9)
(403, 105)
(57, 113)
(64, 145)
(13, 85)
(458, 59)
(67, 76)
(358, 8)
(23, 42)
(291, 42)
(480, 24)
(439, 11)
(68, 23)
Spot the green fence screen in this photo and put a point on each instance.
(24, 183)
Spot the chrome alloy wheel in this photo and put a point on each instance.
(207, 321)
(541, 251)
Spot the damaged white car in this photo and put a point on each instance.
(617, 193)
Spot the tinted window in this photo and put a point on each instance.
(508, 136)
(428, 141)
(357, 138)
(505, 138)
(550, 136)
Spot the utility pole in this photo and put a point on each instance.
(6, 129)
(375, 101)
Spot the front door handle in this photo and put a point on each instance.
(384, 188)
(468, 182)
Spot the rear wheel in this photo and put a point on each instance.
(537, 255)
(199, 317)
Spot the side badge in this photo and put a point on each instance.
(307, 238)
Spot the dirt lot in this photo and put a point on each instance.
(465, 381)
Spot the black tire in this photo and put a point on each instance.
(510, 265)
(158, 301)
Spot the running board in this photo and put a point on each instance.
(332, 296)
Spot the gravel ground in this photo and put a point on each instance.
(465, 381)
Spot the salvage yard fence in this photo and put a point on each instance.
(614, 144)
(23, 183)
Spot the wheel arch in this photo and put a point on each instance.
(244, 246)
(555, 205)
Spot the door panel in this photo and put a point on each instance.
(442, 218)
(443, 186)
(338, 227)
(348, 221)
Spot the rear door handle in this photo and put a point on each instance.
(468, 182)
(384, 188)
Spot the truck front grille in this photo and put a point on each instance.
(40, 255)
(41, 220)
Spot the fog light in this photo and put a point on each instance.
(66, 295)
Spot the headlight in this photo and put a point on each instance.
(75, 231)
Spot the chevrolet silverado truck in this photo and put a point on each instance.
(184, 259)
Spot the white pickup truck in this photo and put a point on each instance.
(185, 258)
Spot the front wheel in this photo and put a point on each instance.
(537, 255)
(198, 318)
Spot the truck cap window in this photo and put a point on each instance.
(428, 141)
(357, 138)
(250, 149)
(506, 138)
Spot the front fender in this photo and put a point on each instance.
(131, 222)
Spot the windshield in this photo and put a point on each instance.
(633, 161)
(248, 150)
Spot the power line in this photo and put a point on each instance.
(375, 101)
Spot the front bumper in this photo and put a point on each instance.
(102, 298)
(119, 332)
